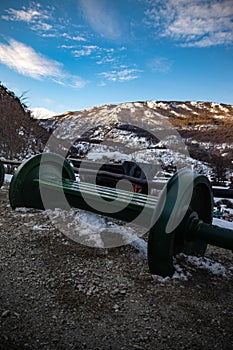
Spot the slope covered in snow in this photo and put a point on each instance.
(149, 130)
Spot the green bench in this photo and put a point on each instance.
(174, 225)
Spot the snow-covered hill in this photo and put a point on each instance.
(169, 132)
(169, 109)
(42, 113)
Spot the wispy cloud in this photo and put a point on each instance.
(160, 64)
(26, 61)
(121, 76)
(56, 34)
(34, 16)
(24, 15)
(86, 50)
(106, 60)
(78, 38)
(101, 17)
(44, 21)
(197, 23)
(101, 55)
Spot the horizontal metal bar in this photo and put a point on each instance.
(223, 192)
(87, 164)
(11, 162)
(76, 188)
(215, 235)
(110, 174)
(120, 209)
(102, 190)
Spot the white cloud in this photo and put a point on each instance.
(101, 17)
(70, 80)
(78, 38)
(44, 21)
(100, 54)
(25, 15)
(42, 26)
(72, 37)
(106, 60)
(67, 47)
(120, 75)
(57, 34)
(197, 23)
(75, 81)
(160, 64)
(34, 16)
(26, 61)
(85, 50)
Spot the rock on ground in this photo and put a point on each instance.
(58, 294)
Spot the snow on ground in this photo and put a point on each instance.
(223, 223)
(217, 199)
(94, 230)
(8, 177)
(91, 228)
(99, 156)
(207, 264)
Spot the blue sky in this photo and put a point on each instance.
(73, 54)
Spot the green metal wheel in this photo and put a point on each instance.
(24, 189)
(201, 204)
(2, 173)
(183, 193)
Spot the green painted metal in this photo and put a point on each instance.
(24, 192)
(2, 173)
(163, 245)
(176, 222)
(214, 235)
(74, 193)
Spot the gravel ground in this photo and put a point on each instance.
(58, 294)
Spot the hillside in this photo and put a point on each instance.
(169, 133)
(106, 131)
(20, 134)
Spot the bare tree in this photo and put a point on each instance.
(219, 168)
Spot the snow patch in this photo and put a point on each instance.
(93, 230)
(8, 177)
(223, 223)
(185, 264)
(213, 267)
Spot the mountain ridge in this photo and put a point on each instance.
(206, 129)
(163, 104)
(121, 130)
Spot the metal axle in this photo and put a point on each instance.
(179, 220)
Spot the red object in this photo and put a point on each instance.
(137, 189)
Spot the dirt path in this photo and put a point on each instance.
(58, 294)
